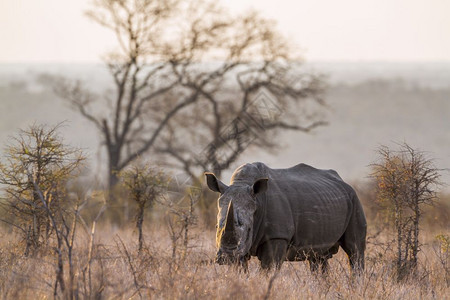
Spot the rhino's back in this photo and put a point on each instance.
(306, 206)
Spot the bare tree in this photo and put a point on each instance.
(40, 152)
(139, 79)
(241, 113)
(35, 174)
(187, 63)
(260, 90)
(407, 180)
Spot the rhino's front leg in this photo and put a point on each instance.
(272, 253)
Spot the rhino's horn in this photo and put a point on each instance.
(229, 234)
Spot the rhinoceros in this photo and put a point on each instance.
(295, 214)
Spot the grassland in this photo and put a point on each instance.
(116, 271)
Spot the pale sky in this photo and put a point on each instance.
(327, 30)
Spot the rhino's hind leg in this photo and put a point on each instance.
(354, 239)
(354, 248)
(318, 262)
(272, 253)
(355, 257)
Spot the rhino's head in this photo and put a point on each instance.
(237, 206)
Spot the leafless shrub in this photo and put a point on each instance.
(144, 184)
(64, 231)
(406, 180)
(179, 218)
(35, 175)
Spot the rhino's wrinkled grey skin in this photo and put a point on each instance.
(294, 214)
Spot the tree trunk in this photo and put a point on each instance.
(59, 273)
(139, 223)
(113, 166)
(398, 224)
(112, 179)
(416, 233)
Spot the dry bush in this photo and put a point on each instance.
(34, 175)
(144, 185)
(407, 180)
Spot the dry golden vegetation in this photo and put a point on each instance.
(114, 269)
(57, 240)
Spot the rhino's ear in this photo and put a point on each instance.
(215, 184)
(260, 186)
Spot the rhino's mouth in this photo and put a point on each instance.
(227, 259)
(227, 255)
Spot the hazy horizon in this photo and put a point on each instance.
(411, 100)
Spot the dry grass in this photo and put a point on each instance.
(118, 272)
